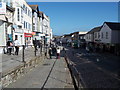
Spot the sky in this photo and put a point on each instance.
(68, 17)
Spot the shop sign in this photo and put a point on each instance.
(33, 33)
(27, 34)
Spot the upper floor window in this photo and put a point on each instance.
(98, 35)
(23, 7)
(102, 35)
(18, 14)
(95, 35)
(24, 24)
(106, 35)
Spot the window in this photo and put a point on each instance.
(95, 35)
(106, 35)
(18, 13)
(98, 35)
(102, 35)
(26, 10)
(24, 24)
(16, 36)
(23, 7)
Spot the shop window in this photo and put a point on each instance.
(16, 36)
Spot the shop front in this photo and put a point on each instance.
(28, 38)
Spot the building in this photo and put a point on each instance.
(35, 21)
(27, 23)
(47, 31)
(22, 22)
(6, 23)
(82, 35)
(110, 36)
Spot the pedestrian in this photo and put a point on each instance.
(50, 52)
(16, 44)
(41, 46)
(35, 44)
(45, 53)
(58, 53)
(64, 51)
(54, 51)
(9, 46)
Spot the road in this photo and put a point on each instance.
(96, 70)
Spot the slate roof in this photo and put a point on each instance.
(113, 25)
(34, 7)
(40, 12)
(96, 29)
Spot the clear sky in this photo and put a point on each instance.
(68, 17)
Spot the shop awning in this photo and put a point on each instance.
(27, 34)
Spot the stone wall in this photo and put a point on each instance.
(17, 72)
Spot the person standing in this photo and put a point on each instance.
(35, 44)
(16, 43)
(54, 51)
(50, 52)
(58, 53)
(9, 46)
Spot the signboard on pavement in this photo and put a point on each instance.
(2, 8)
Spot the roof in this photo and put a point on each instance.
(40, 12)
(34, 7)
(10, 8)
(67, 35)
(113, 25)
(82, 34)
(96, 29)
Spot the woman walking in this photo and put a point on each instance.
(58, 53)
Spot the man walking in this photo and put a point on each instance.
(50, 52)
(54, 51)
(16, 43)
(35, 44)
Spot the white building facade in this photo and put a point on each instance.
(22, 22)
(6, 23)
(47, 29)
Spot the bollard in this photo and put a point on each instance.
(23, 57)
(35, 50)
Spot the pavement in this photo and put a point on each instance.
(52, 73)
(9, 62)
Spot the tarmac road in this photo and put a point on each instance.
(96, 70)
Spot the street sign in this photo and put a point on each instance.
(2, 8)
